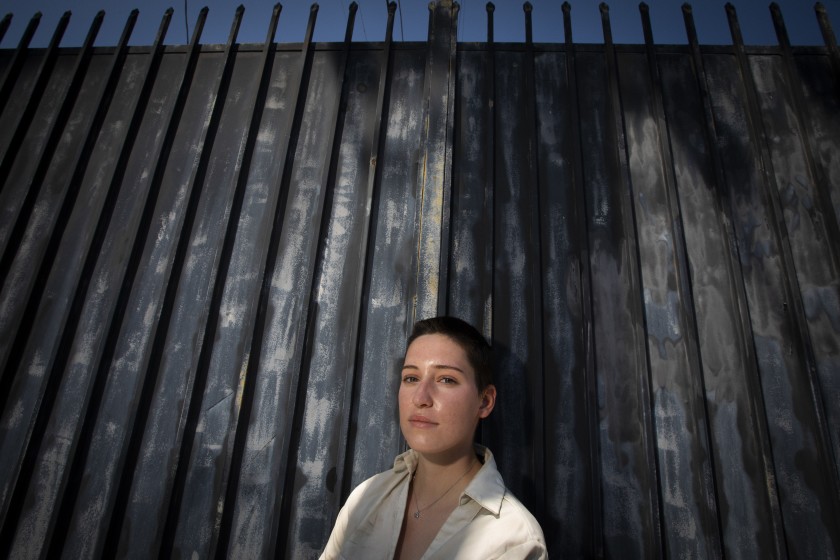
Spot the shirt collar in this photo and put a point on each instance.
(486, 488)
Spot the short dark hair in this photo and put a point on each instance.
(464, 335)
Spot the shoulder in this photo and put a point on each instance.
(379, 488)
(514, 532)
(375, 482)
(515, 514)
(508, 523)
(375, 487)
(510, 532)
(367, 513)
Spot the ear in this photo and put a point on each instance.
(488, 401)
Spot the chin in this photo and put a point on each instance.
(435, 448)
(423, 445)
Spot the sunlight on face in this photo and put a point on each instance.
(439, 401)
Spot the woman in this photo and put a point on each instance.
(444, 498)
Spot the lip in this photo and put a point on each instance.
(419, 421)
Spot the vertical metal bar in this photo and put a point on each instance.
(65, 509)
(779, 227)
(306, 320)
(4, 26)
(74, 184)
(228, 478)
(374, 181)
(596, 522)
(242, 422)
(44, 73)
(199, 383)
(490, 150)
(263, 308)
(490, 9)
(298, 385)
(430, 266)
(736, 280)
(533, 187)
(642, 366)
(821, 183)
(305, 314)
(793, 316)
(490, 188)
(449, 140)
(830, 41)
(688, 314)
(9, 512)
(170, 130)
(528, 8)
(13, 69)
(45, 157)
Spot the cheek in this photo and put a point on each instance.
(402, 397)
(464, 407)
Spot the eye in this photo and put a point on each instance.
(409, 378)
(448, 380)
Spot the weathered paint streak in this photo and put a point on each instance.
(664, 314)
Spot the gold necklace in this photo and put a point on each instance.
(417, 504)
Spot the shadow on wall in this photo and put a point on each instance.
(508, 431)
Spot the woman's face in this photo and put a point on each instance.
(439, 401)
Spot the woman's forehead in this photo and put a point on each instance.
(436, 344)
(438, 349)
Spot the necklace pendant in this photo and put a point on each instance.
(416, 515)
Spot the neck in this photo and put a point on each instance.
(433, 473)
(450, 458)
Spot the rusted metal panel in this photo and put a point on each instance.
(318, 401)
(24, 85)
(119, 263)
(735, 419)
(60, 317)
(470, 289)
(435, 190)
(568, 514)
(44, 75)
(386, 318)
(808, 222)
(791, 417)
(517, 314)
(14, 192)
(330, 358)
(213, 254)
(621, 369)
(680, 423)
(37, 287)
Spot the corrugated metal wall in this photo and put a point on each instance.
(212, 255)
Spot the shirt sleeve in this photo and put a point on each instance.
(342, 523)
(529, 550)
(333, 549)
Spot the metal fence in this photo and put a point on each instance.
(212, 255)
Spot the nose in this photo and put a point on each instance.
(422, 396)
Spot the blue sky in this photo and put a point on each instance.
(412, 20)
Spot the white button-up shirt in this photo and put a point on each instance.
(489, 521)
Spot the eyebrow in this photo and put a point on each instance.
(436, 366)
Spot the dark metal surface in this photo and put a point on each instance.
(212, 255)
